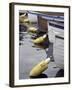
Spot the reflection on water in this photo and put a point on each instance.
(20, 43)
(40, 76)
(22, 27)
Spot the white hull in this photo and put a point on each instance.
(58, 45)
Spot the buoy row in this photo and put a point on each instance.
(24, 20)
(43, 65)
(26, 23)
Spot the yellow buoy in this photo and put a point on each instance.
(40, 39)
(26, 22)
(39, 68)
(32, 29)
(22, 17)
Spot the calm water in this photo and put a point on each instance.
(30, 55)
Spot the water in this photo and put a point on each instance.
(31, 54)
